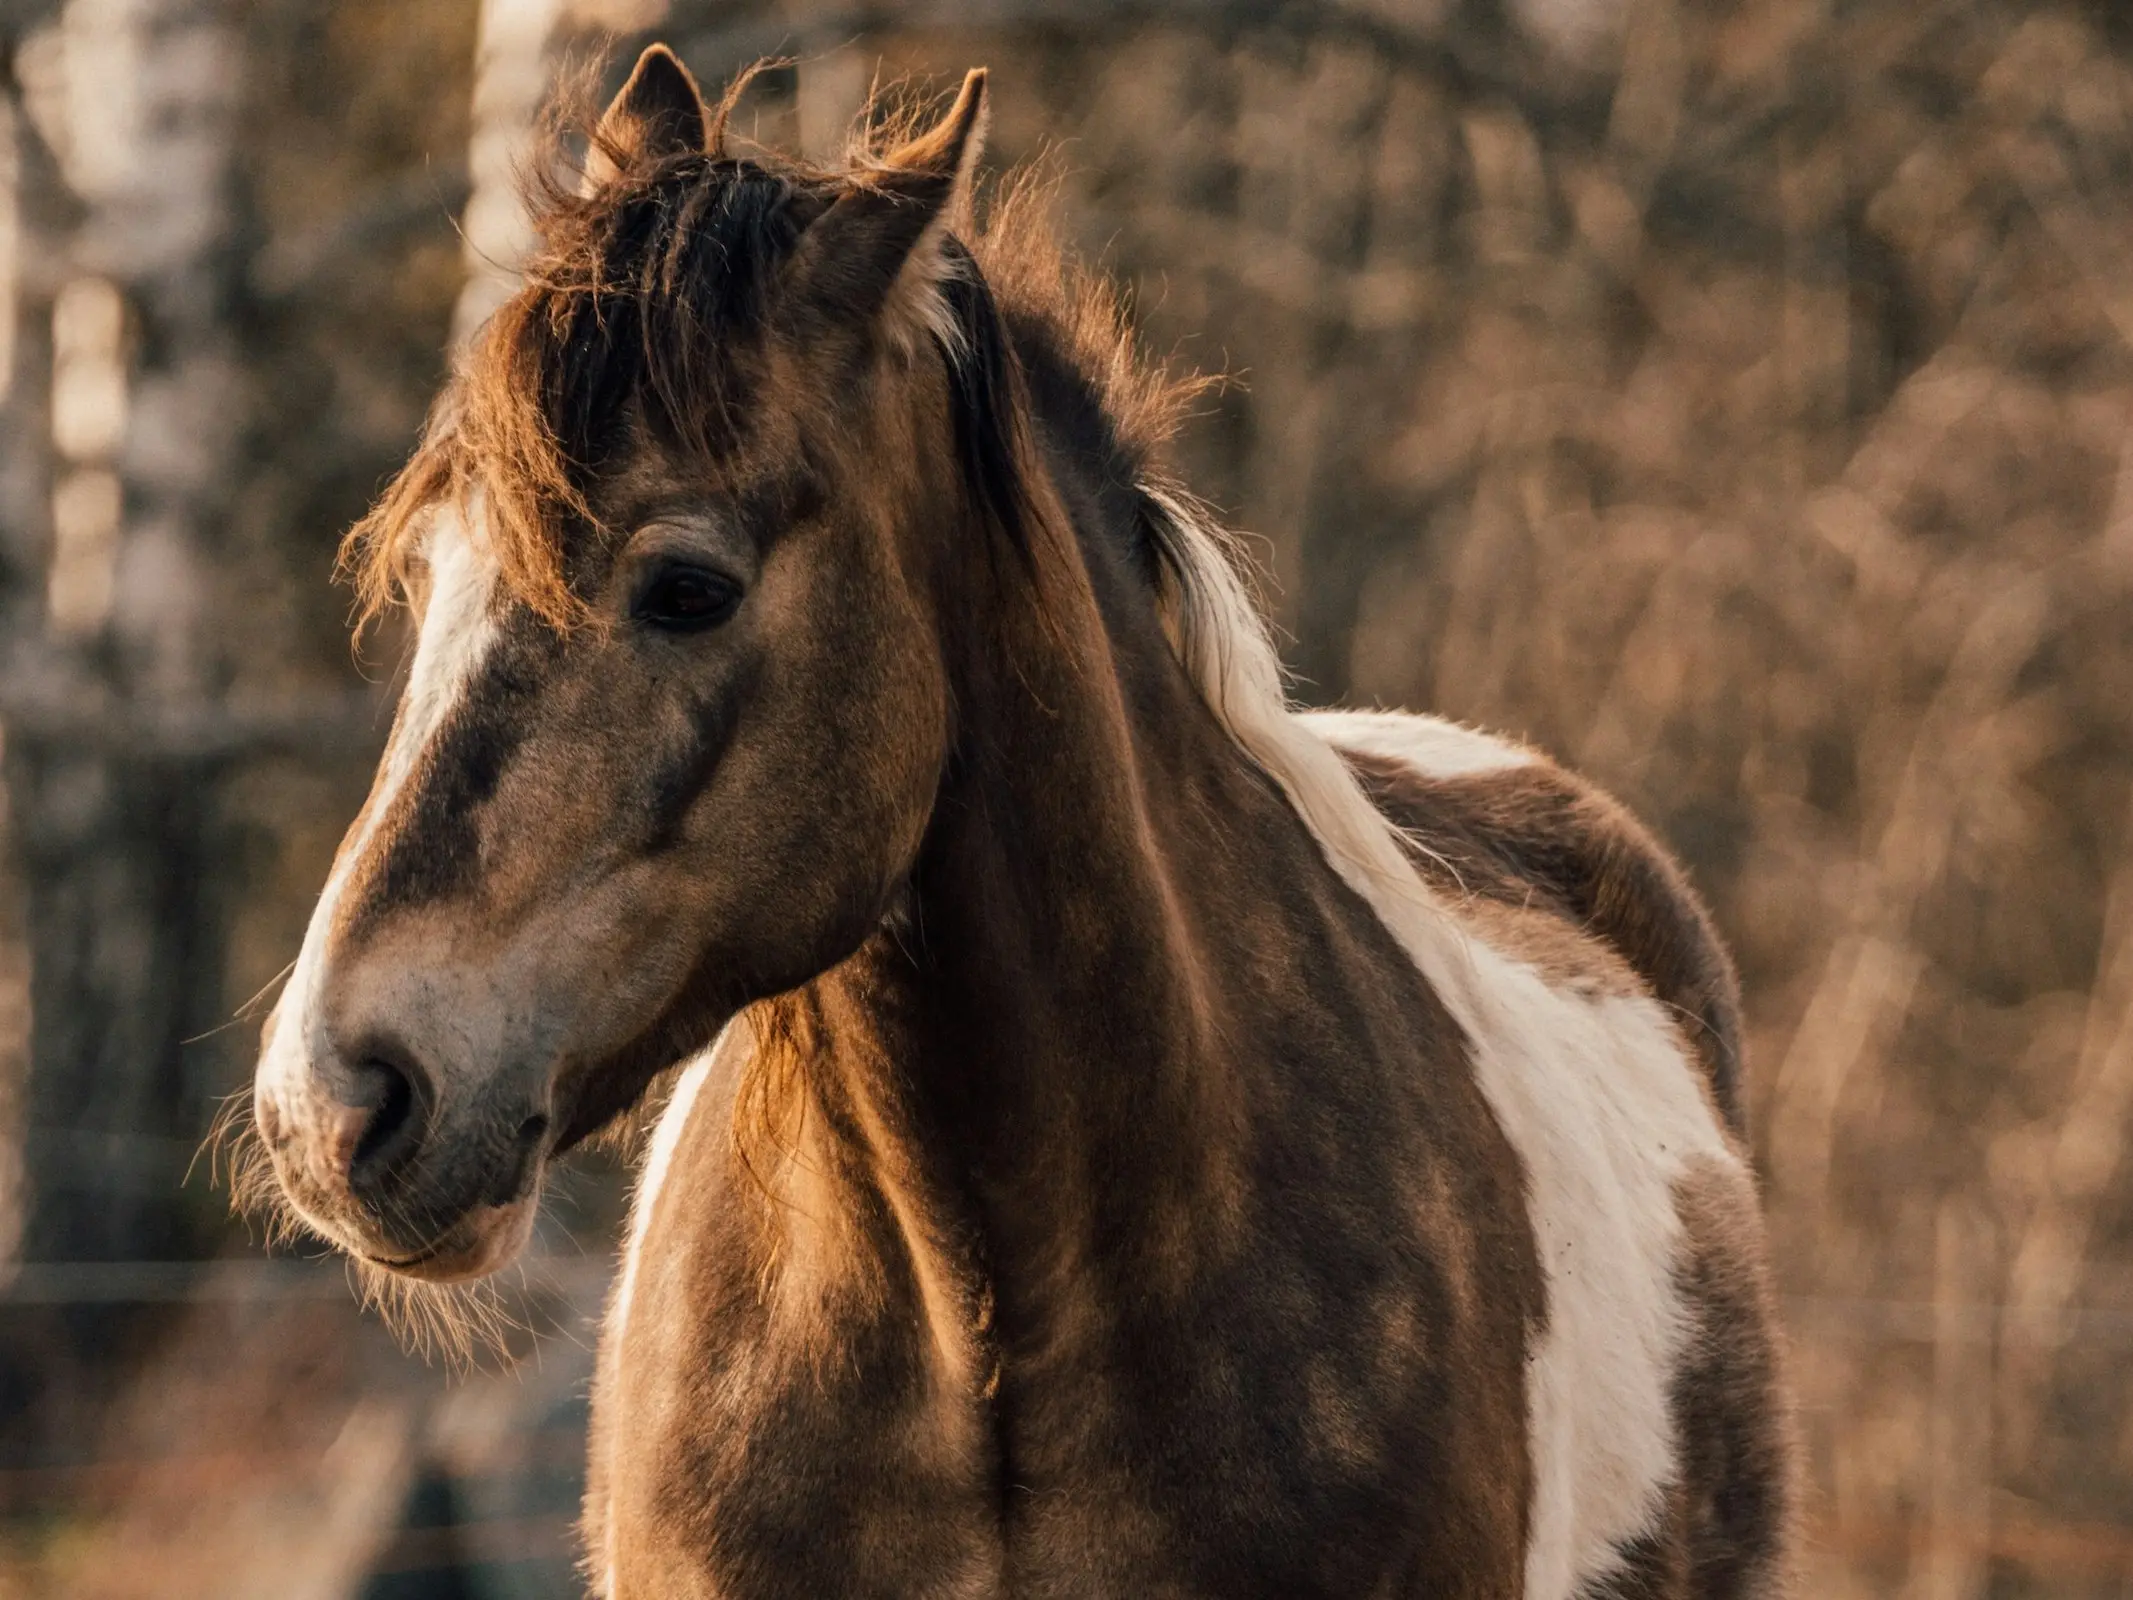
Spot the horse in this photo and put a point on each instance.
(1127, 1135)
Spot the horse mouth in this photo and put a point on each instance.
(485, 1239)
(406, 1263)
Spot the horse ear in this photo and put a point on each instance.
(879, 252)
(657, 115)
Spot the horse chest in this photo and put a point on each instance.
(1333, 1422)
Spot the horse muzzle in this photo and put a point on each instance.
(382, 1160)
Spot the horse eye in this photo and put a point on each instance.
(686, 598)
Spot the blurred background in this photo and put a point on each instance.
(1736, 400)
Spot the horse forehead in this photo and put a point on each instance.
(458, 631)
(464, 573)
(458, 617)
(461, 718)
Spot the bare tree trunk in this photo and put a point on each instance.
(521, 44)
(25, 495)
(110, 794)
(511, 76)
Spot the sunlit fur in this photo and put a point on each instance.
(237, 1160)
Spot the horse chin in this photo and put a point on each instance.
(482, 1241)
(599, 1105)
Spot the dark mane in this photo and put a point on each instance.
(646, 296)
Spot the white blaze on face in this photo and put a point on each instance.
(457, 631)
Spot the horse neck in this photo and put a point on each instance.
(1050, 1050)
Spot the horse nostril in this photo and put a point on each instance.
(532, 1131)
(389, 1133)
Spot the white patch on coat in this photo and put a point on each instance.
(1599, 1095)
(659, 1161)
(1430, 745)
(457, 631)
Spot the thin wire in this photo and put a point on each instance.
(580, 1280)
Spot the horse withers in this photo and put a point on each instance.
(1131, 1138)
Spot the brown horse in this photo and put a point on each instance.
(1135, 1139)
